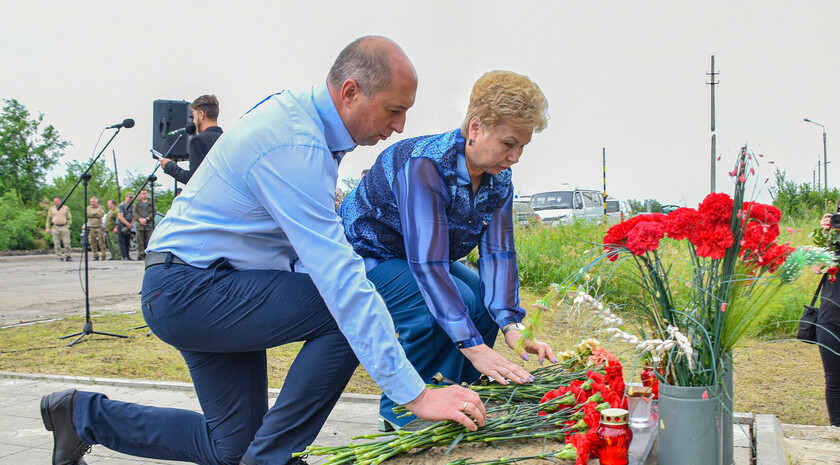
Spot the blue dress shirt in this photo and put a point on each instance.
(417, 203)
(264, 198)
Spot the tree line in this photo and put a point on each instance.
(29, 149)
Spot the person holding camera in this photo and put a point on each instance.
(828, 329)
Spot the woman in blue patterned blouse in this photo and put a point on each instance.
(426, 203)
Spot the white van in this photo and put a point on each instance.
(617, 211)
(566, 207)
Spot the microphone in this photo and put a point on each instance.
(127, 123)
(189, 129)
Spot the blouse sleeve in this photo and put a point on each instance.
(497, 266)
(421, 196)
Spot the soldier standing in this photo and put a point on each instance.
(126, 222)
(58, 222)
(144, 214)
(111, 233)
(95, 212)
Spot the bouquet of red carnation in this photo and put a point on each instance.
(737, 266)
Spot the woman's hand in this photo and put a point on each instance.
(826, 221)
(490, 363)
(536, 347)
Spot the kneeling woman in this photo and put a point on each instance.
(426, 203)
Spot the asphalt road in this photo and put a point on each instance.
(39, 287)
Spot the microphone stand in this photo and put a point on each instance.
(151, 179)
(88, 327)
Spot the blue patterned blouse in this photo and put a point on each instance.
(417, 203)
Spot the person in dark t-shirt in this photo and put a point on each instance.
(205, 111)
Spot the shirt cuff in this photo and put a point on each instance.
(471, 342)
(508, 320)
(403, 386)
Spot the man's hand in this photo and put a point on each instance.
(826, 221)
(47, 230)
(490, 363)
(536, 347)
(450, 403)
(142, 221)
(163, 161)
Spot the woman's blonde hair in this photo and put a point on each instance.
(506, 97)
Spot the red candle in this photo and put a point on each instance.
(614, 437)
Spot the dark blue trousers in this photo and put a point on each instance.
(222, 321)
(425, 343)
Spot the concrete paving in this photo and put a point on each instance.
(25, 441)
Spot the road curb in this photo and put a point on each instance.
(146, 384)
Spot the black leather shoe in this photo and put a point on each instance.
(57, 413)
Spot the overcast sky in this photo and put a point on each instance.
(627, 76)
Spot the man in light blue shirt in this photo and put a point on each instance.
(223, 284)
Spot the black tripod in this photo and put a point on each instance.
(150, 180)
(88, 328)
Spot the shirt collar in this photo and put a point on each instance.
(338, 138)
(461, 168)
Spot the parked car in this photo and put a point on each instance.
(566, 207)
(617, 210)
(523, 214)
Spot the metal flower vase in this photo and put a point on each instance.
(690, 426)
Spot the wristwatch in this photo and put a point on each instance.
(517, 326)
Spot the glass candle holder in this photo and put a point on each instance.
(614, 437)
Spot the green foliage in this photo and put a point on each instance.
(349, 184)
(163, 200)
(21, 226)
(641, 206)
(802, 201)
(25, 153)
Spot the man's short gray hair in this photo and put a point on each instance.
(365, 61)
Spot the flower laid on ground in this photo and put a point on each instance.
(736, 269)
(535, 410)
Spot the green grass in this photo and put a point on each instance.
(782, 378)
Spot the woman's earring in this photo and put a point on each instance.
(470, 142)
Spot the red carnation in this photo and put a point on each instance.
(645, 237)
(716, 208)
(680, 223)
(832, 274)
(582, 447)
(756, 238)
(775, 256)
(763, 213)
(591, 415)
(712, 241)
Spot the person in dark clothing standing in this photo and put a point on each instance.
(144, 215)
(205, 111)
(828, 338)
(125, 219)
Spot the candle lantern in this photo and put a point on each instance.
(614, 437)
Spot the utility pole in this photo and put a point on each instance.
(605, 182)
(714, 136)
(819, 165)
